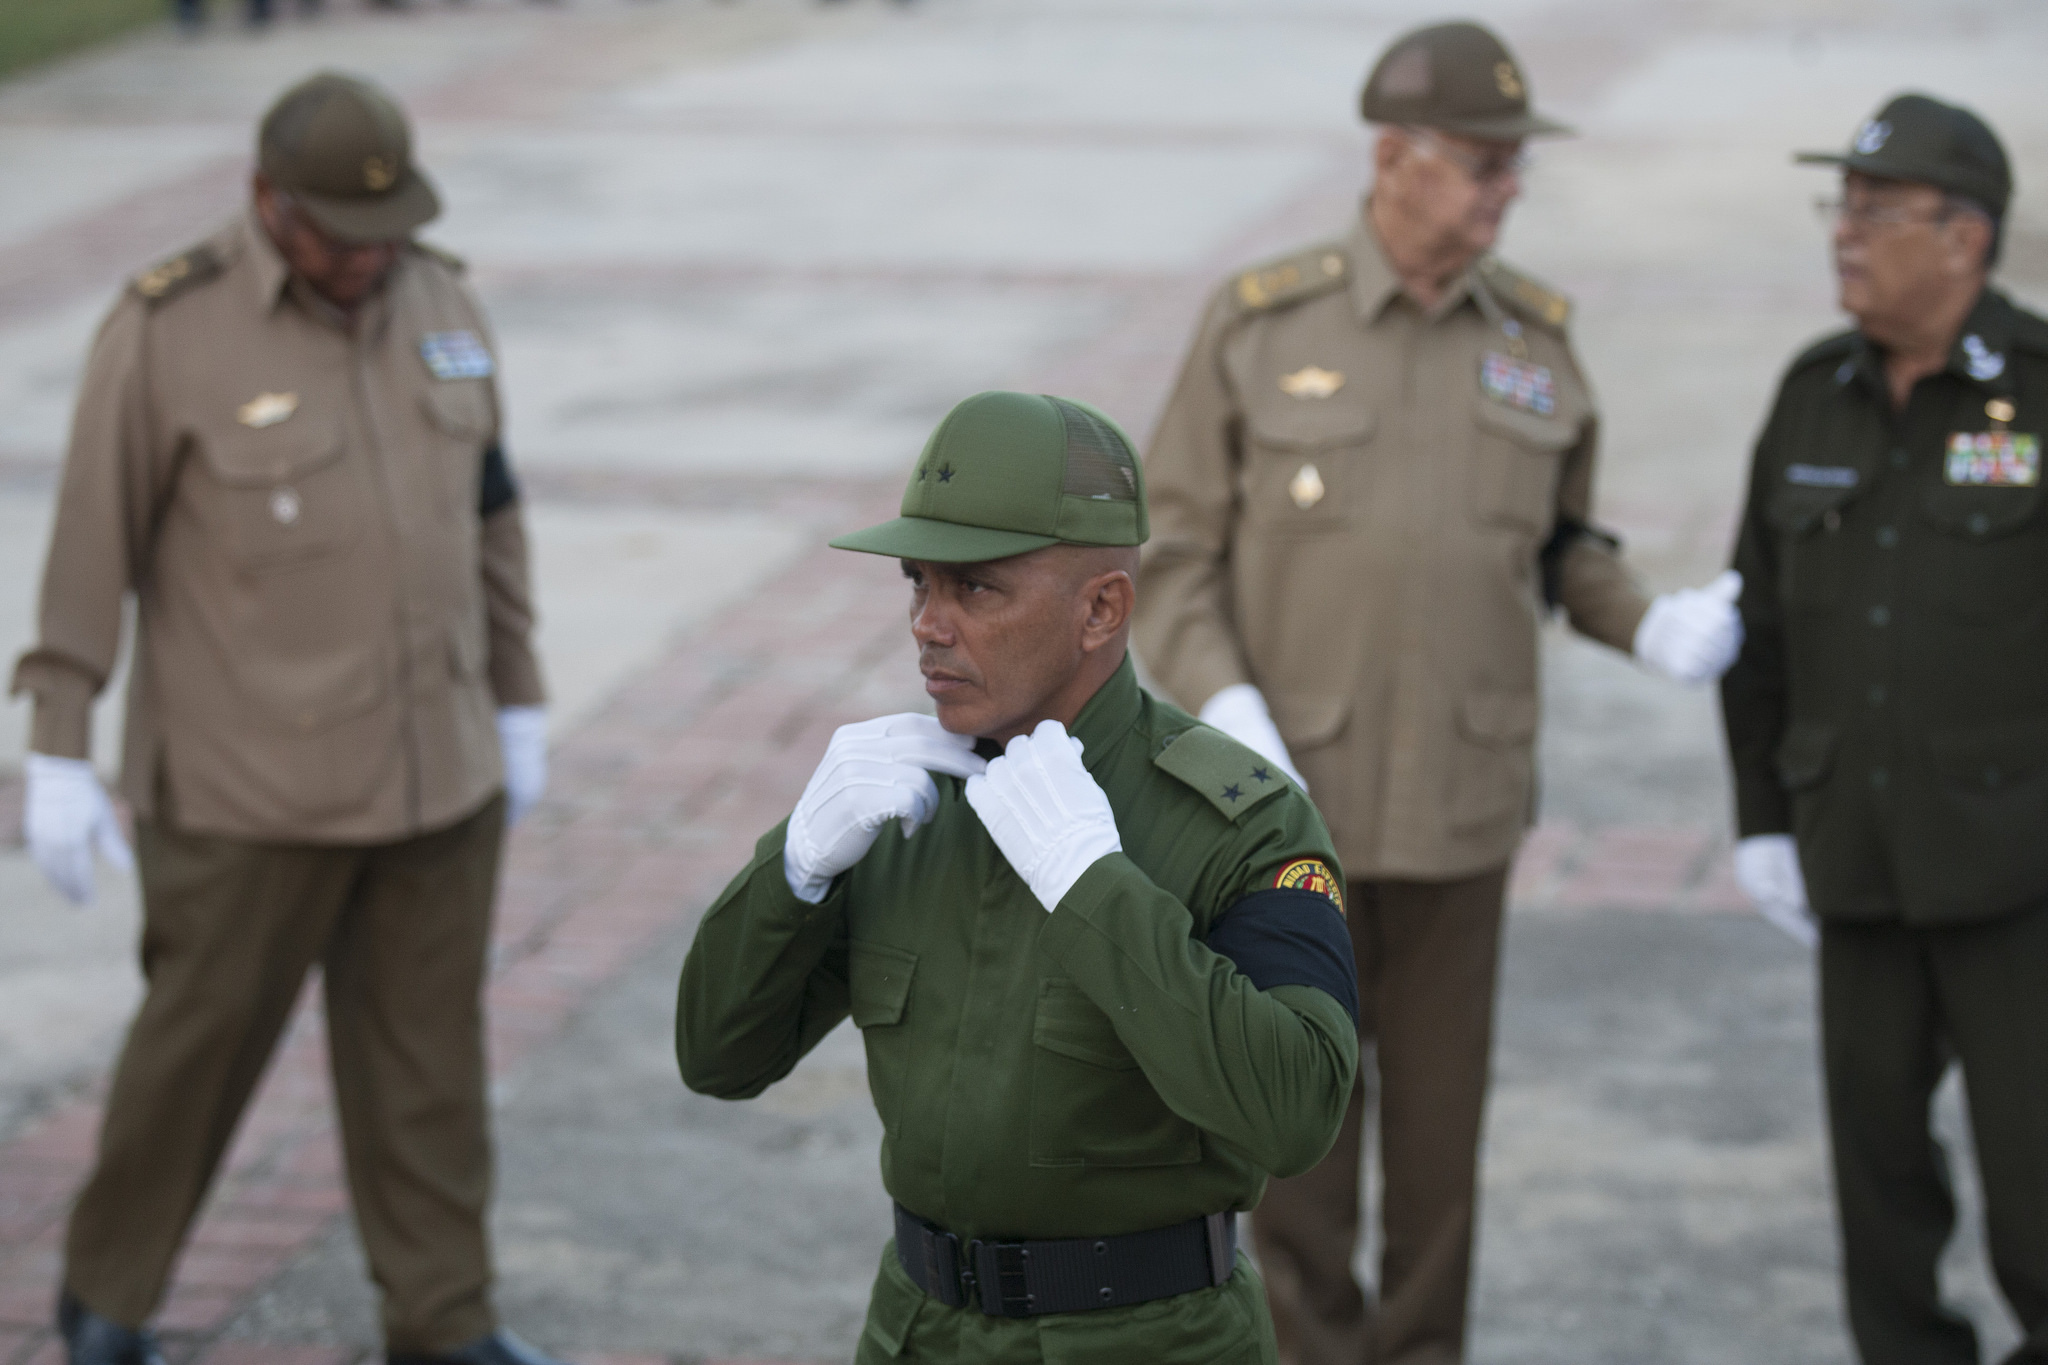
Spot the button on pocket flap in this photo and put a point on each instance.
(1799, 508)
(1499, 718)
(1989, 756)
(879, 983)
(1804, 755)
(1306, 719)
(1069, 1024)
(1548, 434)
(264, 457)
(1300, 424)
(461, 408)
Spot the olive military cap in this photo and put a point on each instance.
(341, 148)
(1007, 473)
(1916, 137)
(1458, 78)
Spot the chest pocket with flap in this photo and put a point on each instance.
(281, 494)
(878, 992)
(1090, 1103)
(1518, 459)
(1306, 461)
(1991, 553)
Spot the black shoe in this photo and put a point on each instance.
(90, 1339)
(499, 1348)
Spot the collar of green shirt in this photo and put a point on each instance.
(1106, 717)
(1990, 322)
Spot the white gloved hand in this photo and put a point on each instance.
(523, 741)
(1239, 711)
(1767, 870)
(1045, 811)
(1691, 636)
(872, 773)
(65, 818)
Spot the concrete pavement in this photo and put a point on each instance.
(741, 257)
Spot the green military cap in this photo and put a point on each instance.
(341, 148)
(1915, 137)
(1008, 473)
(1456, 77)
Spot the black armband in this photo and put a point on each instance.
(1550, 559)
(497, 491)
(1288, 937)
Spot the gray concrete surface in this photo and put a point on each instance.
(734, 249)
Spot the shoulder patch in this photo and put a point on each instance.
(1230, 776)
(1825, 351)
(446, 258)
(1533, 300)
(1291, 279)
(166, 280)
(1311, 874)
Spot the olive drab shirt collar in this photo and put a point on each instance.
(1375, 284)
(1979, 354)
(272, 283)
(1104, 719)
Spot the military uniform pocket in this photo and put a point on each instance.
(279, 495)
(878, 995)
(1982, 564)
(1494, 776)
(460, 419)
(1811, 556)
(1517, 459)
(1303, 466)
(1804, 755)
(1091, 1105)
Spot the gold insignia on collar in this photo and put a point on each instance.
(1311, 381)
(1508, 80)
(267, 409)
(2000, 410)
(1306, 487)
(379, 173)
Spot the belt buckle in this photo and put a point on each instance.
(946, 1278)
(1001, 1273)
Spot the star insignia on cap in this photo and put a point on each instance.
(1233, 792)
(379, 173)
(945, 473)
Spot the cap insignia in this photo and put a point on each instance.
(379, 173)
(945, 473)
(1871, 137)
(1508, 80)
(1311, 381)
(1984, 363)
(267, 409)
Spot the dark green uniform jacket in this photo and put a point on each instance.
(1890, 706)
(1094, 1071)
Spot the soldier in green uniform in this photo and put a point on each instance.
(1103, 977)
(1888, 720)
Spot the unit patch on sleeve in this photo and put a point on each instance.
(1311, 874)
(456, 355)
(1518, 383)
(1993, 459)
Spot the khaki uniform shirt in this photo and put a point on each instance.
(1350, 497)
(325, 621)
(1890, 705)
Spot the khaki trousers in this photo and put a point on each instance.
(230, 930)
(1427, 957)
(1897, 1006)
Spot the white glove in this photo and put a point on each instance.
(1767, 870)
(1045, 811)
(1691, 636)
(65, 817)
(1239, 711)
(523, 740)
(872, 773)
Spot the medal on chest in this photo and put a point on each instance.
(1998, 458)
(456, 355)
(1518, 383)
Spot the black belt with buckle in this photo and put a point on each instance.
(1071, 1275)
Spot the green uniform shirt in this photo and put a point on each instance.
(1890, 706)
(1090, 1072)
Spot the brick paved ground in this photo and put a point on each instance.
(741, 258)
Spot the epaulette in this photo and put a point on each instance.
(1538, 302)
(447, 258)
(1832, 347)
(1232, 777)
(1291, 278)
(166, 280)
(2029, 331)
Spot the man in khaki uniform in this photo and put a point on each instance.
(286, 449)
(1372, 480)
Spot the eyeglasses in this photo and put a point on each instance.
(1484, 168)
(1866, 215)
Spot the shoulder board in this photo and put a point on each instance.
(446, 258)
(2029, 331)
(1533, 300)
(1232, 777)
(166, 280)
(1291, 279)
(1826, 350)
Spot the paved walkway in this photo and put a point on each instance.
(741, 258)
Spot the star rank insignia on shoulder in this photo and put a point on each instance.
(1291, 279)
(1537, 302)
(1229, 776)
(166, 280)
